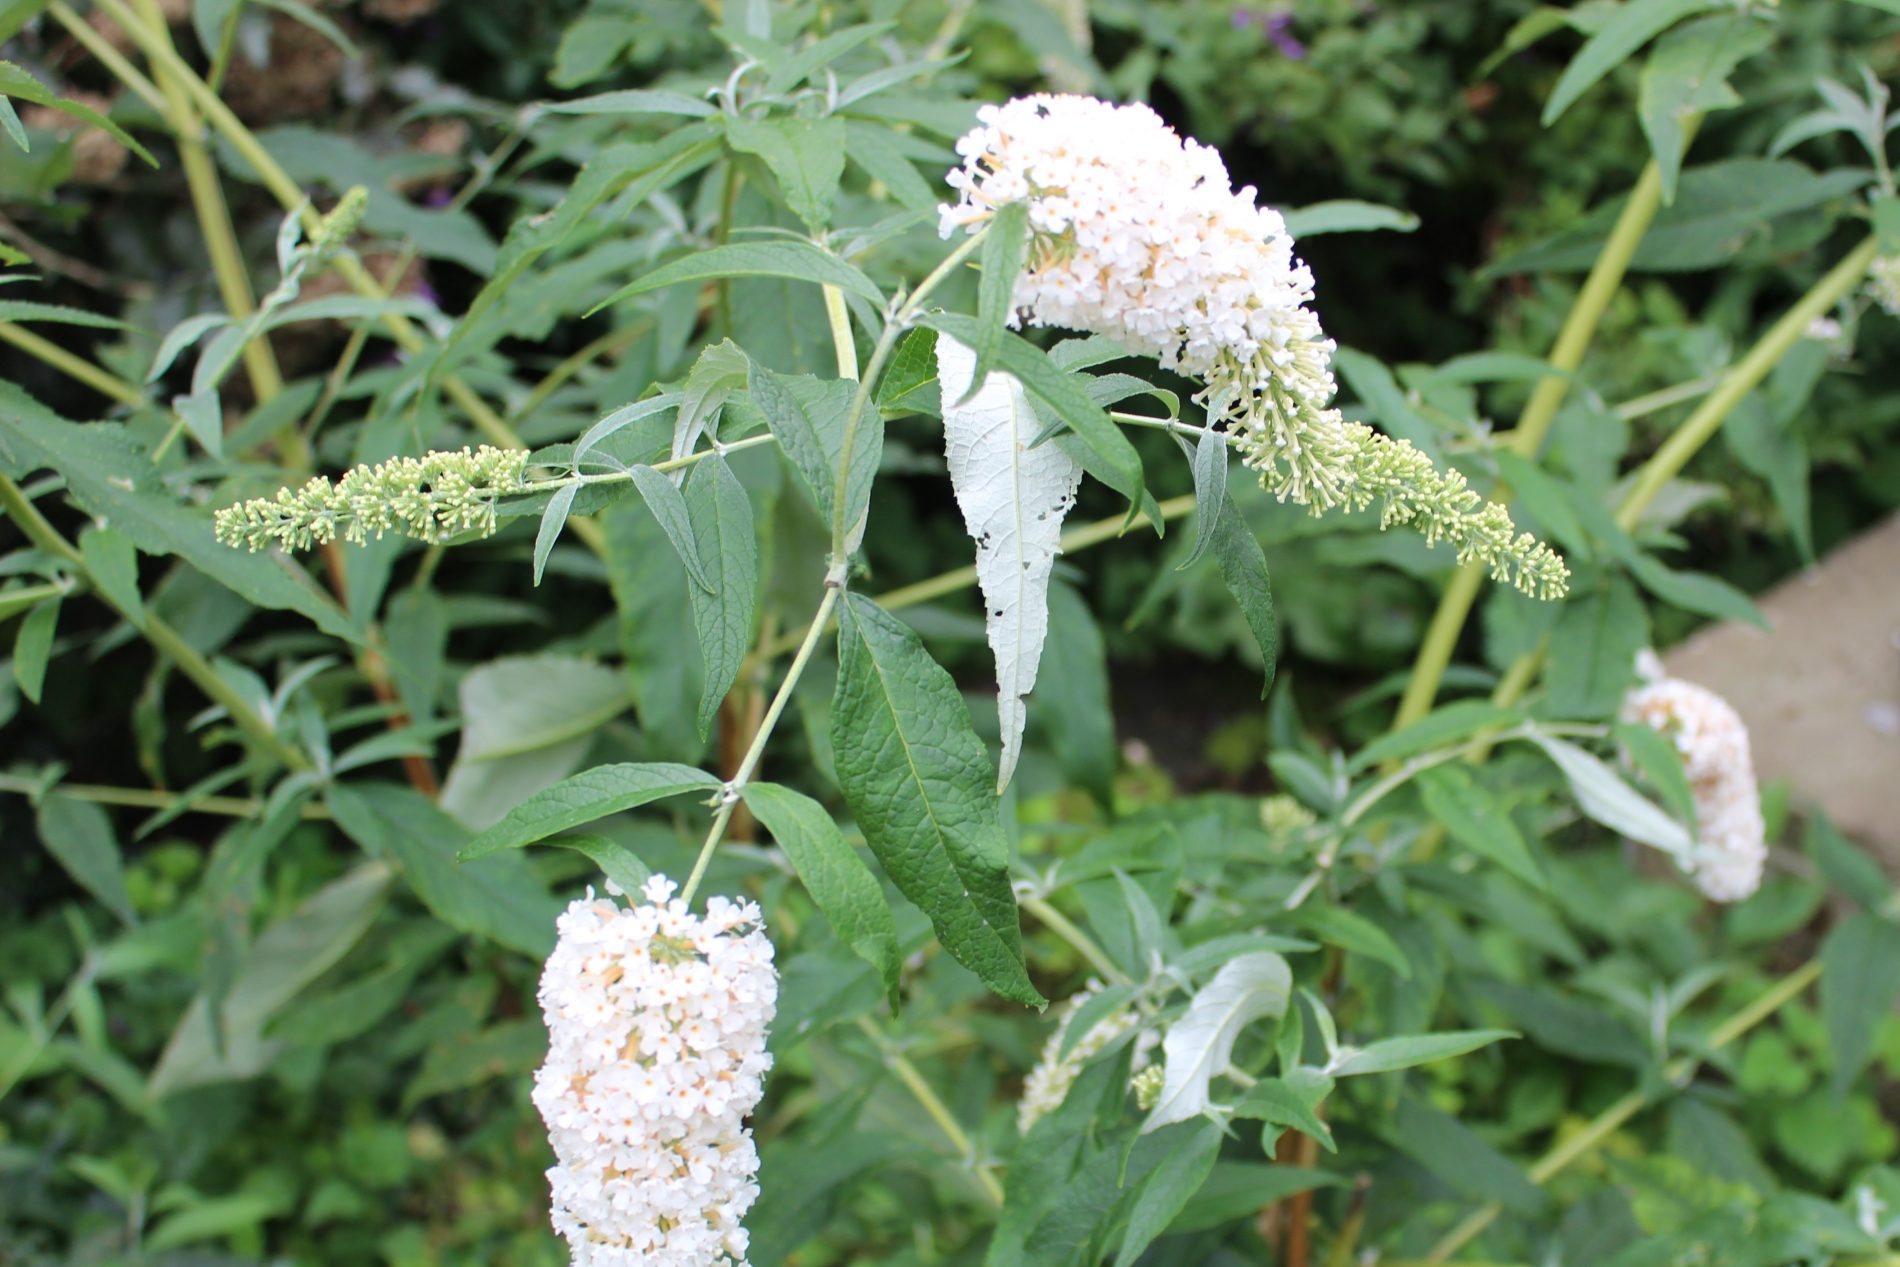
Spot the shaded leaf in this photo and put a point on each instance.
(589, 795)
(1860, 977)
(79, 835)
(799, 261)
(838, 881)
(721, 518)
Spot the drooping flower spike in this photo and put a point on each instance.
(1047, 1085)
(1138, 235)
(431, 498)
(1731, 846)
(656, 1053)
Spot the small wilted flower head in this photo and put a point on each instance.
(1883, 284)
(656, 1053)
(431, 498)
(1138, 235)
(1731, 844)
(1047, 1085)
(1281, 814)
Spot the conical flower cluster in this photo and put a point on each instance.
(656, 1026)
(1731, 841)
(1138, 235)
(1047, 1085)
(431, 498)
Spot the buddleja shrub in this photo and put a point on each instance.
(1216, 962)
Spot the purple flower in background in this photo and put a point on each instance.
(1275, 24)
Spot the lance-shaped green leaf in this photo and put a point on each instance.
(112, 560)
(1005, 251)
(112, 478)
(1346, 215)
(921, 787)
(1476, 820)
(834, 875)
(1177, 1175)
(1289, 1101)
(1687, 75)
(1210, 493)
(668, 505)
(635, 101)
(285, 958)
(1593, 650)
(15, 82)
(1200, 1045)
(1407, 1050)
(500, 898)
(1243, 568)
(80, 836)
(591, 794)
(553, 519)
(1860, 975)
(721, 370)
(799, 261)
(721, 517)
(1013, 500)
(1627, 30)
(33, 647)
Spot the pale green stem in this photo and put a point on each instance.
(939, 1113)
(1656, 401)
(1701, 426)
(834, 583)
(74, 367)
(1174, 425)
(1059, 924)
(164, 639)
(1573, 340)
(1612, 1119)
(1743, 378)
(611, 342)
(207, 198)
(893, 329)
(227, 46)
(734, 789)
(151, 798)
(841, 341)
(291, 197)
(109, 57)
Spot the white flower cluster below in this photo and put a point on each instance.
(1709, 734)
(656, 1024)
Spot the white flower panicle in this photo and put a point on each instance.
(1138, 235)
(656, 1026)
(1047, 1085)
(1731, 844)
